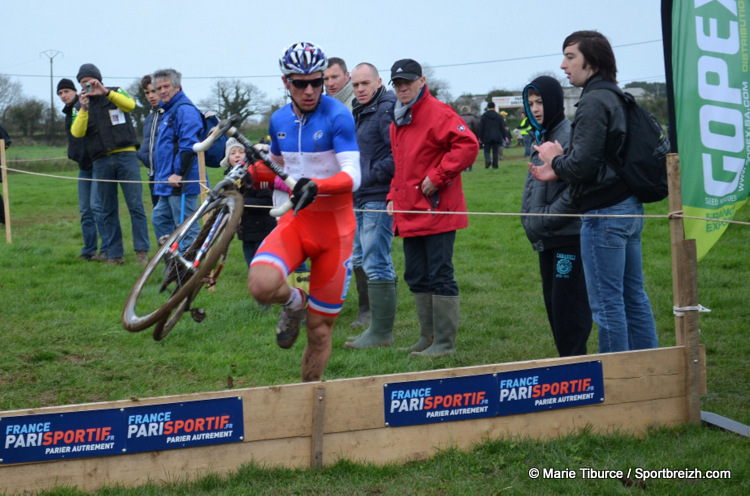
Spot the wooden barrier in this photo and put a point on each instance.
(316, 424)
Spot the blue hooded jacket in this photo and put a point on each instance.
(182, 122)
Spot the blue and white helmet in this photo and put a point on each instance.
(303, 58)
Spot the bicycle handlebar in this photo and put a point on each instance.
(226, 126)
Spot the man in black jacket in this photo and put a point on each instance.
(88, 198)
(610, 246)
(491, 135)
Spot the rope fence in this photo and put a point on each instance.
(668, 216)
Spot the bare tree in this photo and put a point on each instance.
(439, 88)
(235, 97)
(10, 93)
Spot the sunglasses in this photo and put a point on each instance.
(301, 84)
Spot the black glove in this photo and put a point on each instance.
(304, 193)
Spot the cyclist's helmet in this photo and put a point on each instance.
(303, 58)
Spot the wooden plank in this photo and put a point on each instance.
(318, 428)
(90, 474)
(402, 444)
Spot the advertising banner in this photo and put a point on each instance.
(492, 395)
(710, 82)
(115, 431)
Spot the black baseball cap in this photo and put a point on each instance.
(406, 69)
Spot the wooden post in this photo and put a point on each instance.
(677, 233)
(318, 428)
(202, 176)
(6, 205)
(685, 293)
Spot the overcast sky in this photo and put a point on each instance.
(473, 45)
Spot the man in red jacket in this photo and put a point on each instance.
(431, 146)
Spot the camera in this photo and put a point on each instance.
(87, 87)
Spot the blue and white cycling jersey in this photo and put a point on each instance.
(317, 145)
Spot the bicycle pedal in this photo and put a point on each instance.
(198, 314)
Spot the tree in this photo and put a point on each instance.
(27, 116)
(235, 97)
(438, 87)
(10, 93)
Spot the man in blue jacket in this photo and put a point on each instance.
(176, 165)
(373, 114)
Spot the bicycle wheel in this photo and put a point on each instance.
(162, 327)
(170, 276)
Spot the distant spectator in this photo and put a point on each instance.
(472, 122)
(105, 124)
(491, 134)
(3, 136)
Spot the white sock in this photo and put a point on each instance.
(296, 300)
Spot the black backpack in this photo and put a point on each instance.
(215, 154)
(643, 155)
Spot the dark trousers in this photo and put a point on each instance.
(491, 151)
(566, 300)
(428, 262)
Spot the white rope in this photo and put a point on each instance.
(670, 215)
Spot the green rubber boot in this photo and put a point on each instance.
(423, 303)
(363, 301)
(383, 299)
(445, 310)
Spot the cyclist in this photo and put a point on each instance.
(313, 138)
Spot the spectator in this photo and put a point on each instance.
(88, 198)
(556, 238)
(338, 83)
(506, 135)
(313, 138)
(472, 122)
(176, 166)
(371, 257)
(257, 222)
(610, 246)
(525, 129)
(491, 134)
(431, 146)
(6, 137)
(150, 130)
(104, 123)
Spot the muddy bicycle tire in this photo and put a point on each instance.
(161, 287)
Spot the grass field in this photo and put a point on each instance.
(63, 343)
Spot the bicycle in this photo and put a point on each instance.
(177, 274)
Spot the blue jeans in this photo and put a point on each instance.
(613, 264)
(372, 242)
(428, 264)
(168, 214)
(526, 138)
(91, 213)
(110, 169)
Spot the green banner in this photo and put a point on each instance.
(711, 63)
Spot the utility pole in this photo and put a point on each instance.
(51, 54)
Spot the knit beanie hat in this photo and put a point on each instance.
(89, 70)
(66, 84)
(231, 143)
